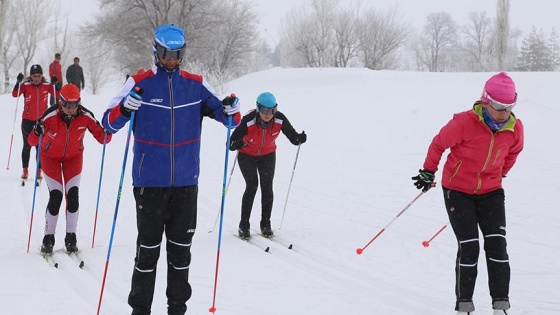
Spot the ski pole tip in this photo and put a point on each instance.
(212, 309)
(425, 243)
(359, 251)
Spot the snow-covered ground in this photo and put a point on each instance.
(368, 132)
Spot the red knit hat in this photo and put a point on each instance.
(70, 93)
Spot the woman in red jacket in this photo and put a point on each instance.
(35, 90)
(63, 129)
(255, 138)
(484, 143)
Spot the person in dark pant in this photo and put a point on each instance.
(75, 74)
(484, 144)
(55, 73)
(167, 131)
(255, 138)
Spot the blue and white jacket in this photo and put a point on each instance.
(167, 127)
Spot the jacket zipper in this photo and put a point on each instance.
(172, 130)
(488, 156)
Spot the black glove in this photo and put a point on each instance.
(424, 180)
(302, 137)
(54, 80)
(39, 128)
(20, 77)
(237, 144)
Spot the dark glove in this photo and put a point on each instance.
(39, 128)
(237, 144)
(54, 80)
(20, 77)
(424, 180)
(302, 137)
(230, 105)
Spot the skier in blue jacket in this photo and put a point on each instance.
(167, 131)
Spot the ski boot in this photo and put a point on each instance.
(25, 173)
(500, 307)
(48, 244)
(266, 230)
(244, 230)
(70, 243)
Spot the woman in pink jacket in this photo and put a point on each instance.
(484, 143)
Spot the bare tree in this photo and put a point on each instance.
(309, 38)
(380, 35)
(479, 42)
(440, 34)
(31, 15)
(129, 25)
(502, 31)
(346, 39)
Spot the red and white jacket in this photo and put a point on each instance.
(478, 157)
(262, 141)
(36, 98)
(62, 140)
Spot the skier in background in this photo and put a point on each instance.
(167, 130)
(255, 138)
(35, 91)
(55, 73)
(484, 143)
(62, 153)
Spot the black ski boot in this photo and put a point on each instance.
(244, 230)
(70, 243)
(266, 230)
(48, 244)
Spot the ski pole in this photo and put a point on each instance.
(136, 93)
(34, 190)
(13, 127)
(99, 189)
(224, 190)
(360, 250)
(227, 187)
(289, 187)
(427, 243)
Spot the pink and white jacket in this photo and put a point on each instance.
(478, 158)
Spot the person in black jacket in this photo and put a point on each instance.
(75, 74)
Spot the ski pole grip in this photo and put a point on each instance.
(137, 92)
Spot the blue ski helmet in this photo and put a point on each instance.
(170, 36)
(266, 100)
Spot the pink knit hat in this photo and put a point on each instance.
(500, 88)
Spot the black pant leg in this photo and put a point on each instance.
(180, 225)
(26, 128)
(461, 209)
(492, 221)
(266, 166)
(248, 168)
(151, 208)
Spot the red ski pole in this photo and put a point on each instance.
(359, 251)
(427, 243)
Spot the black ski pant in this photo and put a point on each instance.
(26, 128)
(253, 167)
(171, 210)
(467, 213)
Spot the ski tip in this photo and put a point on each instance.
(81, 264)
(267, 249)
(290, 246)
(56, 265)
